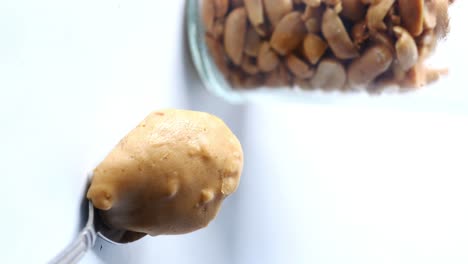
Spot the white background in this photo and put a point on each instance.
(354, 180)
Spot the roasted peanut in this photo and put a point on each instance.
(288, 34)
(314, 48)
(312, 3)
(221, 7)
(338, 39)
(218, 29)
(430, 15)
(312, 18)
(208, 14)
(406, 49)
(373, 43)
(412, 12)
(217, 54)
(254, 11)
(330, 74)
(267, 59)
(376, 13)
(278, 77)
(298, 67)
(234, 34)
(252, 42)
(277, 9)
(363, 70)
(398, 73)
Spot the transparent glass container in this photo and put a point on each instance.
(445, 93)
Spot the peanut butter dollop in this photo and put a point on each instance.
(169, 175)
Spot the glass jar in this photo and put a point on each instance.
(314, 53)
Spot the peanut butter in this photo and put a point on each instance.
(169, 175)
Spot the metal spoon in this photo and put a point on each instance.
(86, 239)
(84, 242)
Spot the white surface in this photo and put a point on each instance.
(321, 184)
(355, 186)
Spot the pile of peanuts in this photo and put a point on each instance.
(325, 44)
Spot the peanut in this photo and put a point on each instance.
(406, 49)
(312, 3)
(254, 11)
(221, 7)
(218, 29)
(312, 18)
(208, 14)
(376, 13)
(252, 42)
(412, 12)
(298, 67)
(277, 9)
(330, 75)
(430, 15)
(325, 44)
(314, 48)
(217, 54)
(288, 34)
(234, 34)
(279, 77)
(375, 61)
(267, 59)
(337, 37)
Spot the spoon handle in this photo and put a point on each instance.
(77, 249)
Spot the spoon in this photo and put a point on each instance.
(87, 238)
(84, 242)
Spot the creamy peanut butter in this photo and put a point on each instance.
(169, 175)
